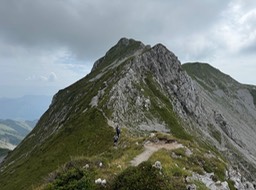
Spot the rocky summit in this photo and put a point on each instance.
(184, 126)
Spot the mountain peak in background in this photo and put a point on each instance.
(199, 122)
(124, 48)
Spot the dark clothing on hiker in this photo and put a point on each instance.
(115, 139)
(118, 131)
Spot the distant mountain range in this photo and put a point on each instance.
(12, 133)
(18, 116)
(28, 107)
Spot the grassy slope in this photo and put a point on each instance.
(84, 134)
(3, 152)
(120, 175)
(88, 136)
(209, 77)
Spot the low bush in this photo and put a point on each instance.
(72, 179)
(142, 177)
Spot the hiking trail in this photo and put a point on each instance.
(151, 147)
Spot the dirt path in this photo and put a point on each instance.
(151, 147)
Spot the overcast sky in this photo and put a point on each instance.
(46, 45)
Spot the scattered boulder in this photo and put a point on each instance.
(191, 187)
(100, 181)
(86, 166)
(188, 152)
(157, 165)
(103, 182)
(240, 182)
(208, 181)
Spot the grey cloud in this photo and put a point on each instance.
(87, 28)
(250, 48)
(244, 25)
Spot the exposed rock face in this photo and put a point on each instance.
(239, 182)
(165, 69)
(229, 112)
(220, 109)
(169, 75)
(209, 182)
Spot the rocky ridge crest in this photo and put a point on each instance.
(224, 115)
(227, 110)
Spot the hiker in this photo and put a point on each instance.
(115, 140)
(118, 131)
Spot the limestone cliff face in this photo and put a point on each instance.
(129, 98)
(229, 114)
(221, 110)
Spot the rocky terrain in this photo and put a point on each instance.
(229, 111)
(144, 90)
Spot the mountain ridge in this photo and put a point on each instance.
(12, 132)
(142, 89)
(233, 110)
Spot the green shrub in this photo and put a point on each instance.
(72, 179)
(142, 177)
(177, 172)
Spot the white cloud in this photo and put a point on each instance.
(33, 71)
(52, 77)
(237, 29)
(235, 37)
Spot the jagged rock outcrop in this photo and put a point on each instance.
(165, 69)
(219, 108)
(229, 113)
